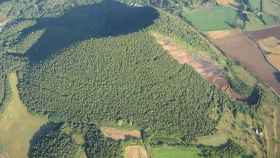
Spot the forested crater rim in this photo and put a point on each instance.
(105, 19)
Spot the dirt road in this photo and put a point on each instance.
(241, 48)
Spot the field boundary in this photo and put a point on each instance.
(252, 41)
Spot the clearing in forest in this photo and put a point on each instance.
(120, 134)
(17, 125)
(208, 70)
(135, 151)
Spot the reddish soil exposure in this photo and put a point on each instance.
(118, 134)
(265, 33)
(211, 72)
(241, 48)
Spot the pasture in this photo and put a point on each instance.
(248, 55)
(17, 125)
(212, 140)
(175, 152)
(216, 18)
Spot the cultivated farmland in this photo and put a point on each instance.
(173, 152)
(135, 151)
(239, 47)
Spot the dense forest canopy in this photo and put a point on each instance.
(128, 77)
(51, 141)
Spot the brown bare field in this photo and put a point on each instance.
(239, 47)
(208, 70)
(135, 152)
(265, 33)
(219, 34)
(3, 21)
(2, 18)
(225, 2)
(119, 134)
(270, 45)
(274, 60)
(4, 155)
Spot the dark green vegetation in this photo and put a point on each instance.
(126, 77)
(93, 21)
(96, 145)
(7, 64)
(2, 89)
(120, 79)
(51, 141)
(227, 150)
(114, 84)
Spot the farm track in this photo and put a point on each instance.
(240, 47)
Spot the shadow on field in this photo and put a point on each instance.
(108, 18)
(255, 96)
(44, 130)
(2, 1)
(277, 76)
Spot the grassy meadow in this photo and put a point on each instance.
(17, 125)
(216, 18)
(175, 152)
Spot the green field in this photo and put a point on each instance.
(271, 7)
(216, 18)
(175, 152)
(17, 125)
(213, 140)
